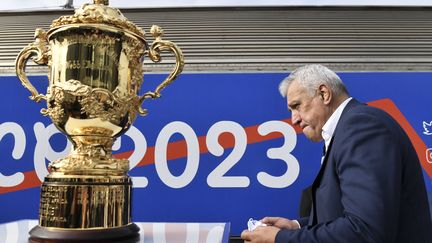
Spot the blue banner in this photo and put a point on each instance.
(213, 148)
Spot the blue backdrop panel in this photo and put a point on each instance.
(217, 166)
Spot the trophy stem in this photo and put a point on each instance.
(91, 155)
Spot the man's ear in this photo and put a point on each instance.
(325, 93)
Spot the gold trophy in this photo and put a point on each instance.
(95, 62)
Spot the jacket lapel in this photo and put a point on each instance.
(317, 180)
(315, 184)
(313, 217)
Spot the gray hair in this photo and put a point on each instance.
(311, 77)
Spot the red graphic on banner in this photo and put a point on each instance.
(419, 145)
(178, 149)
(429, 155)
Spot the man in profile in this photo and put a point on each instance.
(370, 186)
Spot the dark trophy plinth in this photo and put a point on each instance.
(124, 234)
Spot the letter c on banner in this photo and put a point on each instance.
(17, 152)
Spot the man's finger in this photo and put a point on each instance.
(245, 235)
(269, 220)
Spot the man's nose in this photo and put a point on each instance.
(295, 118)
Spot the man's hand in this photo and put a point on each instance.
(267, 234)
(262, 234)
(281, 223)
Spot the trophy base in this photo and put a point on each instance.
(124, 234)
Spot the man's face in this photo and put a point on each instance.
(310, 113)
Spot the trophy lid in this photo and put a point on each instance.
(98, 13)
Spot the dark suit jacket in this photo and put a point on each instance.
(370, 187)
(305, 206)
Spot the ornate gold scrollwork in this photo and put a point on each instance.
(134, 51)
(156, 48)
(39, 48)
(98, 13)
(104, 2)
(94, 102)
(86, 162)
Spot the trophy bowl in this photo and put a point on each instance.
(95, 62)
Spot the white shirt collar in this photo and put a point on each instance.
(330, 125)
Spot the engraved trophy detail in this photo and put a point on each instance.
(95, 62)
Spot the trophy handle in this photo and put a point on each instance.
(154, 51)
(40, 49)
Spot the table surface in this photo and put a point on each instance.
(150, 232)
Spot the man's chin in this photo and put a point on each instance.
(313, 138)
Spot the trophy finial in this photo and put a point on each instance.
(104, 2)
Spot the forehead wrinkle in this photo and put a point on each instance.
(295, 93)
